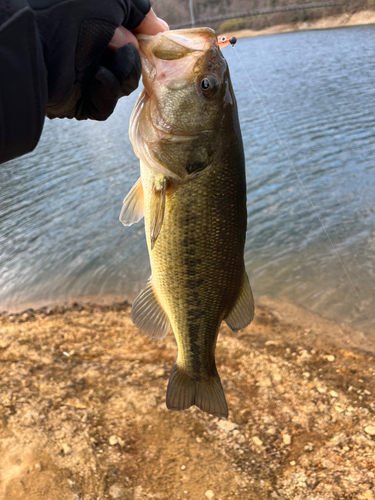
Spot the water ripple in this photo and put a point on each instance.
(59, 205)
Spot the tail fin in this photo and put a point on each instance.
(183, 392)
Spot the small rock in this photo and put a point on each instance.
(309, 447)
(209, 494)
(272, 343)
(257, 441)
(287, 439)
(370, 430)
(292, 463)
(159, 373)
(331, 358)
(312, 481)
(117, 491)
(113, 440)
(333, 394)
(305, 356)
(183, 467)
(369, 495)
(327, 464)
(280, 389)
(66, 449)
(305, 462)
(271, 430)
(265, 382)
(227, 425)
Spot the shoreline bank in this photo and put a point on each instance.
(82, 412)
(342, 21)
(323, 331)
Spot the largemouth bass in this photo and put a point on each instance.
(192, 193)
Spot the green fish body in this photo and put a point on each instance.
(192, 193)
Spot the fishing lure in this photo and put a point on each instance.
(224, 41)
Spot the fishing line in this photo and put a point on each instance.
(232, 41)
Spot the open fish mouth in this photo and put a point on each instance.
(172, 45)
(170, 57)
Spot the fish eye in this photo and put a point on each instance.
(205, 84)
(223, 38)
(209, 85)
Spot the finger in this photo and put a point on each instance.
(152, 25)
(126, 65)
(102, 96)
(121, 37)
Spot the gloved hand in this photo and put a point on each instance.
(85, 79)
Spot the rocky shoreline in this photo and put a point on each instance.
(83, 417)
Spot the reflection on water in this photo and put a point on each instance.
(59, 206)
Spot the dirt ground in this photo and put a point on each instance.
(83, 417)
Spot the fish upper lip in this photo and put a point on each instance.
(190, 31)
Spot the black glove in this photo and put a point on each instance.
(85, 79)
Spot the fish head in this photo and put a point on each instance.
(187, 91)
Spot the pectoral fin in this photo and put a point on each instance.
(157, 207)
(242, 312)
(148, 315)
(132, 207)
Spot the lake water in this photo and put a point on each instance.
(59, 231)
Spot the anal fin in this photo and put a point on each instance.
(132, 206)
(148, 315)
(242, 313)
